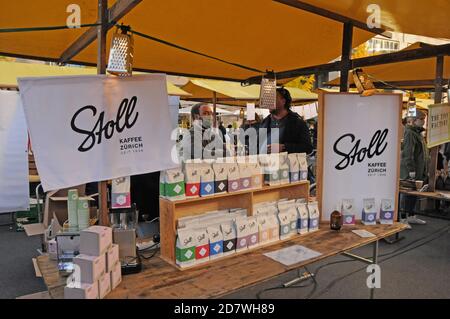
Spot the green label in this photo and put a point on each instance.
(185, 254)
(175, 189)
(162, 189)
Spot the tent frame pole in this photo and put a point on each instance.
(102, 30)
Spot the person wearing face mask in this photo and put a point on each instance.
(414, 161)
(294, 134)
(202, 134)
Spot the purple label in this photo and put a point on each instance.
(234, 185)
(253, 239)
(242, 242)
(387, 215)
(246, 182)
(369, 217)
(349, 219)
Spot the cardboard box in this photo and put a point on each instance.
(185, 247)
(192, 178)
(314, 215)
(387, 211)
(116, 275)
(104, 285)
(91, 267)
(81, 291)
(215, 241)
(220, 177)
(202, 247)
(206, 180)
(112, 257)
(369, 212)
(229, 237)
(95, 240)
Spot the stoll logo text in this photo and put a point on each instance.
(376, 147)
(125, 119)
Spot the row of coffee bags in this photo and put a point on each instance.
(369, 211)
(220, 233)
(208, 177)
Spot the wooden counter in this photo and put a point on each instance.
(161, 280)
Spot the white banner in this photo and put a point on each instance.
(438, 128)
(360, 149)
(94, 128)
(14, 190)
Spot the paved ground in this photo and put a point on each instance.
(422, 272)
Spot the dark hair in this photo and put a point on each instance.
(286, 95)
(195, 110)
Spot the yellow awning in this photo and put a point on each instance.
(227, 92)
(260, 34)
(422, 17)
(424, 69)
(10, 71)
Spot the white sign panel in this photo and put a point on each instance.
(14, 190)
(438, 124)
(361, 146)
(94, 128)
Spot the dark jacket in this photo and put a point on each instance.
(296, 137)
(414, 156)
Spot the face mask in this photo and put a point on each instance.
(207, 121)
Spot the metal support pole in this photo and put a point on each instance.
(437, 99)
(356, 257)
(101, 69)
(346, 55)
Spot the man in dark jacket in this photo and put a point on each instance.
(414, 161)
(294, 135)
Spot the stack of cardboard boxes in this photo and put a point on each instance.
(97, 267)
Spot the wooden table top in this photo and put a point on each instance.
(159, 279)
(441, 195)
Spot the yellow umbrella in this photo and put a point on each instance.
(10, 71)
(256, 34)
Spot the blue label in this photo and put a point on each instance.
(206, 188)
(294, 176)
(216, 248)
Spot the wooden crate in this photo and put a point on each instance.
(171, 211)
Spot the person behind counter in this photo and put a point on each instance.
(200, 144)
(294, 136)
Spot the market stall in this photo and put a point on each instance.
(244, 196)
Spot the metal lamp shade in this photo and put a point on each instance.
(121, 55)
(268, 93)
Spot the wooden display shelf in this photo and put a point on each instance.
(171, 211)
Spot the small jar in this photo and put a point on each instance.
(336, 220)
